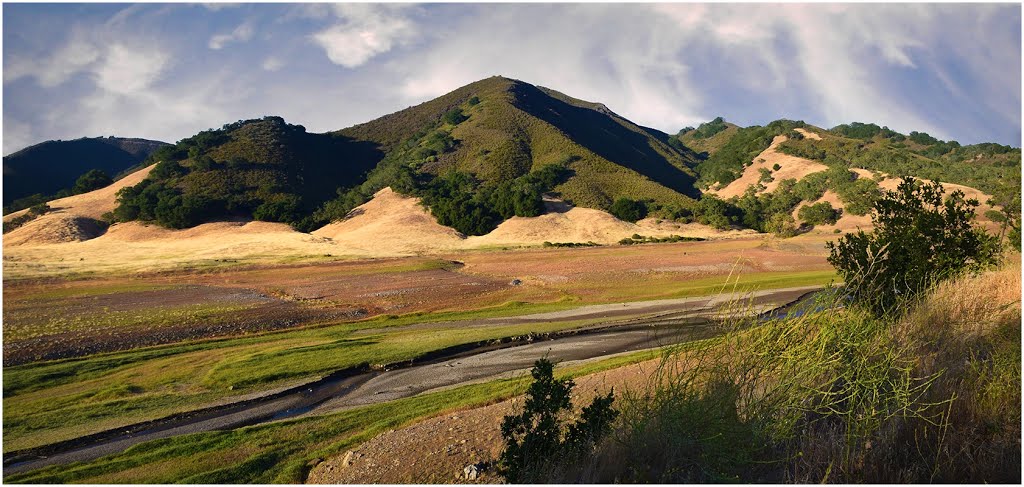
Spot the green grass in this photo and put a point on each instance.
(53, 401)
(49, 402)
(281, 452)
(37, 323)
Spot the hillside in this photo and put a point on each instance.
(484, 162)
(51, 166)
(477, 156)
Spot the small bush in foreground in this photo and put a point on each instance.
(536, 442)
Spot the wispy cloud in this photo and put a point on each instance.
(168, 71)
(241, 33)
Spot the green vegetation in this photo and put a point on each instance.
(282, 452)
(47, 402)
(571, 244)
(640, 239)
(92, 180)
(819, 214)
(264, 169)
(629, 210)
(918, 239)
(727, 163)
(709, 129)
(34, 212)
(840, 396)
(49, 170)
(857, 130)
(991, 168)
(497, 140)
(536, 441)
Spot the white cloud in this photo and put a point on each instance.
(365, 31)
(218, 6)
(272, 64)
(70, 59)
(242, 33)
(128, 71)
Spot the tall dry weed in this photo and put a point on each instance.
(837, 396)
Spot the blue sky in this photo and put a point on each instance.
(167, 71)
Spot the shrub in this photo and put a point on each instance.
(92, 180)
(454, 117)
(781, 224)
(819, 214)
(474, 101)
(536, 442)
(628, 210)
(918, 239)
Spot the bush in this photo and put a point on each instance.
(819, 214)
(536, 443)
(454, 117)
(918, 239)
(781, 224)
(92, 180)
(628, 210)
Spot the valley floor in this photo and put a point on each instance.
(86, 355)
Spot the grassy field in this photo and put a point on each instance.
(52, 401)
(283, 451)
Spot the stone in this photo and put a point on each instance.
(470, 472)
(347, 460)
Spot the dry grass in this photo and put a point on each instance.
(839, 396)
(791, 167)
(389, 225)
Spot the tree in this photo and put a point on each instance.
(781, 224)
(92, 180)
(919, 239)
(819, 214)
(628, 210)
(535, 441)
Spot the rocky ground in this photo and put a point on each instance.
(441, 449)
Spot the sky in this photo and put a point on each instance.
(168, 71)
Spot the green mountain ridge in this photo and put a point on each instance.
(486, 139)
(489, 150)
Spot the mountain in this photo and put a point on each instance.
(762, 175)
(477, 156)
(51, 166)
(517, 127)
(493, 150)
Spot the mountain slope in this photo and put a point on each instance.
(51, 166)
(516, 127)
(477, 156)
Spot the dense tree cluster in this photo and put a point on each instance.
(709, 129)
